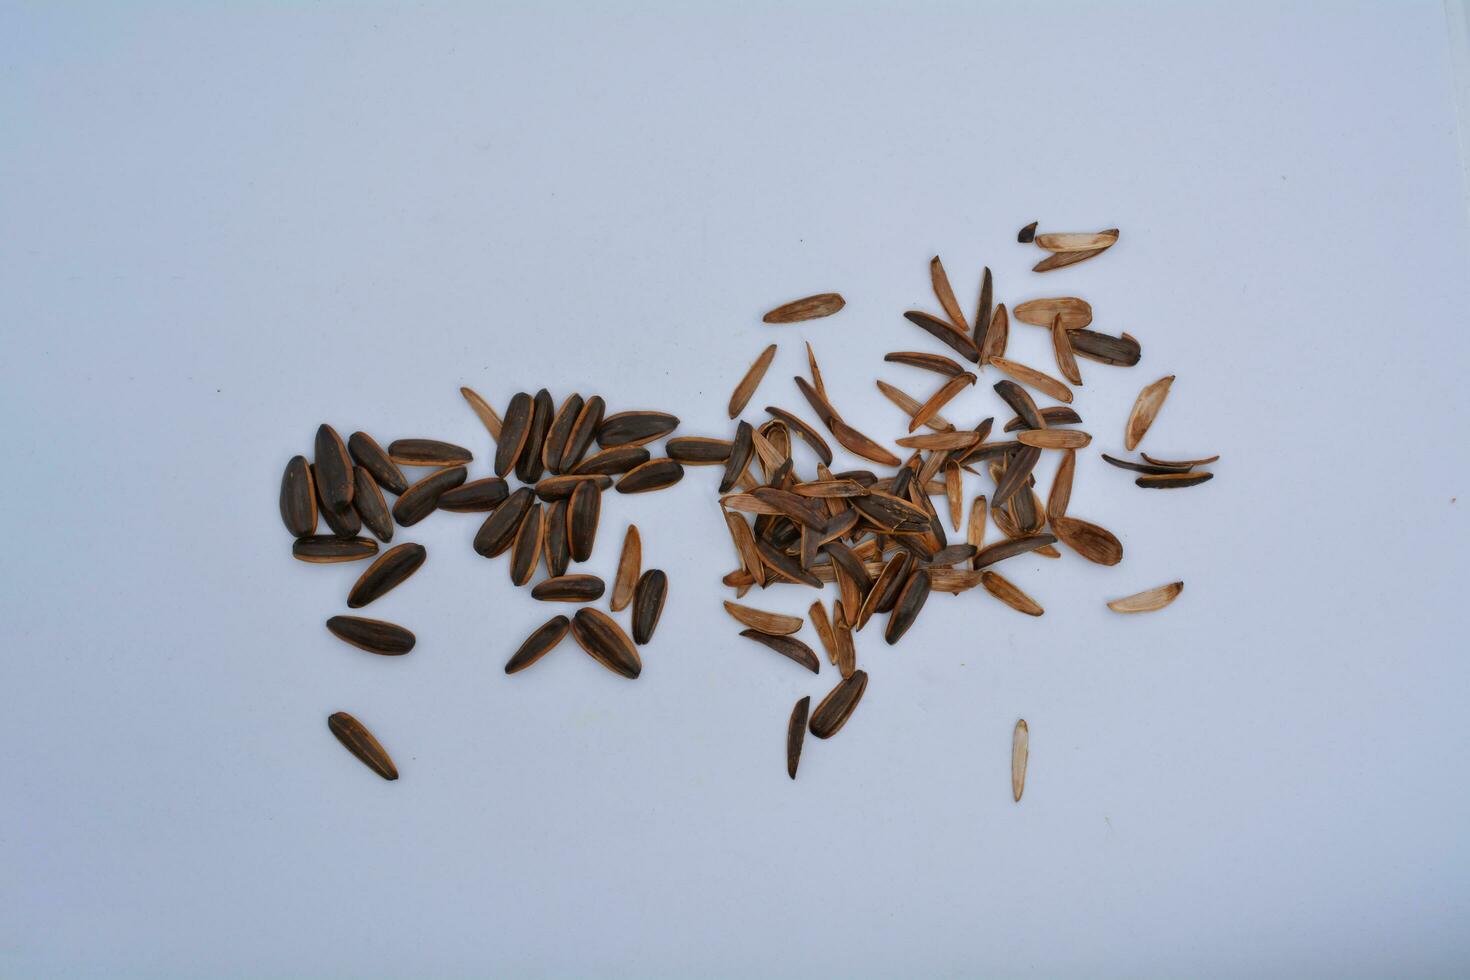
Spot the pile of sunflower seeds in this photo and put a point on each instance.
(875, 535)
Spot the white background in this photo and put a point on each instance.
(222, 226)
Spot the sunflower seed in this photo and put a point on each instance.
(499, 530)
(800, 509)
(740, 451)
(1075, 313)
(891, 513)
(333, 472)
(635, 428)
(1003, 590)
(860, 445)
(1149, 600)
(1100, 347)
(807, 308)
(648, 604)
(906, 609)
(811, 436)
(582, 515)
(1026, 235)
(569, 588)
(482, 408)
(945, 295)
(830, 489)
(1169, 481)
(940, 330)
(427, 452)
(752, 379)
(555, 548)
(982, 310)
(909, 405)
(361, 743)
(298, 498)
(525, 553)
(531, 462)
(1061, 486)
(476, 496)
(1053, 438)
(513, 433)
(817, 613)
(1018, 471)
(538, 644)
(325, 549)
(796, 734)
(997, 336)
(343, 523)
(419, 500)
(392, 567)
(1020, 749)
(1180, 464)
(784, 566)
(838, 705)
(584, 429)
(952, 555)
(937, 363)
(1061, 345)
(562, 487)
(787, 647)
(373, 635)
(773, 624)
(1009, 549)
(370, 456)
(1021, 403)
(558, 432)
(1044, 383)
(697, 450)
(368, 501)
(652, 475)
(1060, 260)
(605, 642)
(1096, 544)
(1150, 468)
(1145, 410)
(1051, 415)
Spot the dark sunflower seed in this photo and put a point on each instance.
(652, 475)
(298, 498)
(1021, 403)
(1018, 470)
(372, 635)
(513, 432)
(428, 452)
(929, 362)
(784, 566)
(952, 555)
(419, 500)
(562, 487)
(796, 734)
(554, 540)
(739, 458)
(525, 553)
(538, 644)
(888, 593)
(1143, 467)
(635, 428)
(1051, 415)
(697, 450)
(891, 513)
(1167, 481)
(605, 642)
(838, 705)
(477, 496)
(569, 588)
(333, 470)
(583, 432)
(1027, 235)
(343, 523)
(618, 459)
(370, 456)
(368, 501)
(530, 464)
(583, 511)
(911, 599)
(843, 558)
(940, 330)
(499, 530)
(361, 743)
(1101, 347)
(817, 401)
(982, 310)
(1009, 548)
(327, 548)
(800, 509)
(809, 435)
(391, 568)
(558, 432)
(786, 646)
(648, 604)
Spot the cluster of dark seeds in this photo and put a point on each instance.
(547, 522)
(875, 535)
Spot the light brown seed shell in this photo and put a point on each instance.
(1148, 600)
(1145, 410)
(1006, 592)
(488, 415)
(1077, 241)
(774, 624)
(751, 381)
(1060, 260)
(1096, 544)
(1075, 313)
(1061, 486)
(1054, 438)
(945, 295)
(1061, 345)
(1042, 382)
(997, 336)
(1020, 752)
(630, 563)
(806, 308)
(823, 627)
(908, 404)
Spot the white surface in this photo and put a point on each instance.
(221, 227)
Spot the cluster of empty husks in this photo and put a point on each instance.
(548, 522)
(876, 536)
